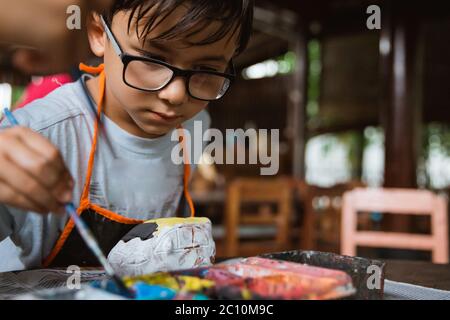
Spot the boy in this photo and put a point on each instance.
(163, 62)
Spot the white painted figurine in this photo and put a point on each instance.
(164, 244)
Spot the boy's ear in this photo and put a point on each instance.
(96, 34)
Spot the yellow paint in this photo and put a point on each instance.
(195, 284)
(184, 283)
(246, 294)
(170, 222)
(160, 278)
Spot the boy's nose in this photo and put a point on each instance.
(175, 93)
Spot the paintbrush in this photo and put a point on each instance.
(85, 233)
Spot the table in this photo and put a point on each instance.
(420, 273)
(424, 274)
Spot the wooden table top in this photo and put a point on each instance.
(420, 273)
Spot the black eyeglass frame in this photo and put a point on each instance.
(177, 72)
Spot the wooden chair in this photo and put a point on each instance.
(322, 206)
(263, 194)
(395, 201)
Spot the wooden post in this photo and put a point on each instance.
(400, 107)
(297, 116)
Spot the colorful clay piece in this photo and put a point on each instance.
(274, 279)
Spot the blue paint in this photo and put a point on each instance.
(145, 291)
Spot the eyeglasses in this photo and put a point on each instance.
(152, 75)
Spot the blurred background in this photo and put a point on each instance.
(356, 108)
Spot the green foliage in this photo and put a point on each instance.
(17, 93)
(435, 141)
(314, 76)
(286, 63)
(436, 138)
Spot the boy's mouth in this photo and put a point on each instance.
(163, 117)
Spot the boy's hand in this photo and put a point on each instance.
(33, 175)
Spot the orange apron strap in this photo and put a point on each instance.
(91, 69)
(84, 201)
(114, 216)
(187, 171)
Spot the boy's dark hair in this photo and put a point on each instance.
(235, 15)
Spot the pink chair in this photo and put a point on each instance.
(395, 201)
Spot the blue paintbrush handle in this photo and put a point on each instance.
(12, 120)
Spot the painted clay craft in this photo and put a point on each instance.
(164, 244)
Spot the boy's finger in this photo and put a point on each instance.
(15, 199)
(49, 167)
(41, 145)
(32, 162)
(63, 190)
(18, 179)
